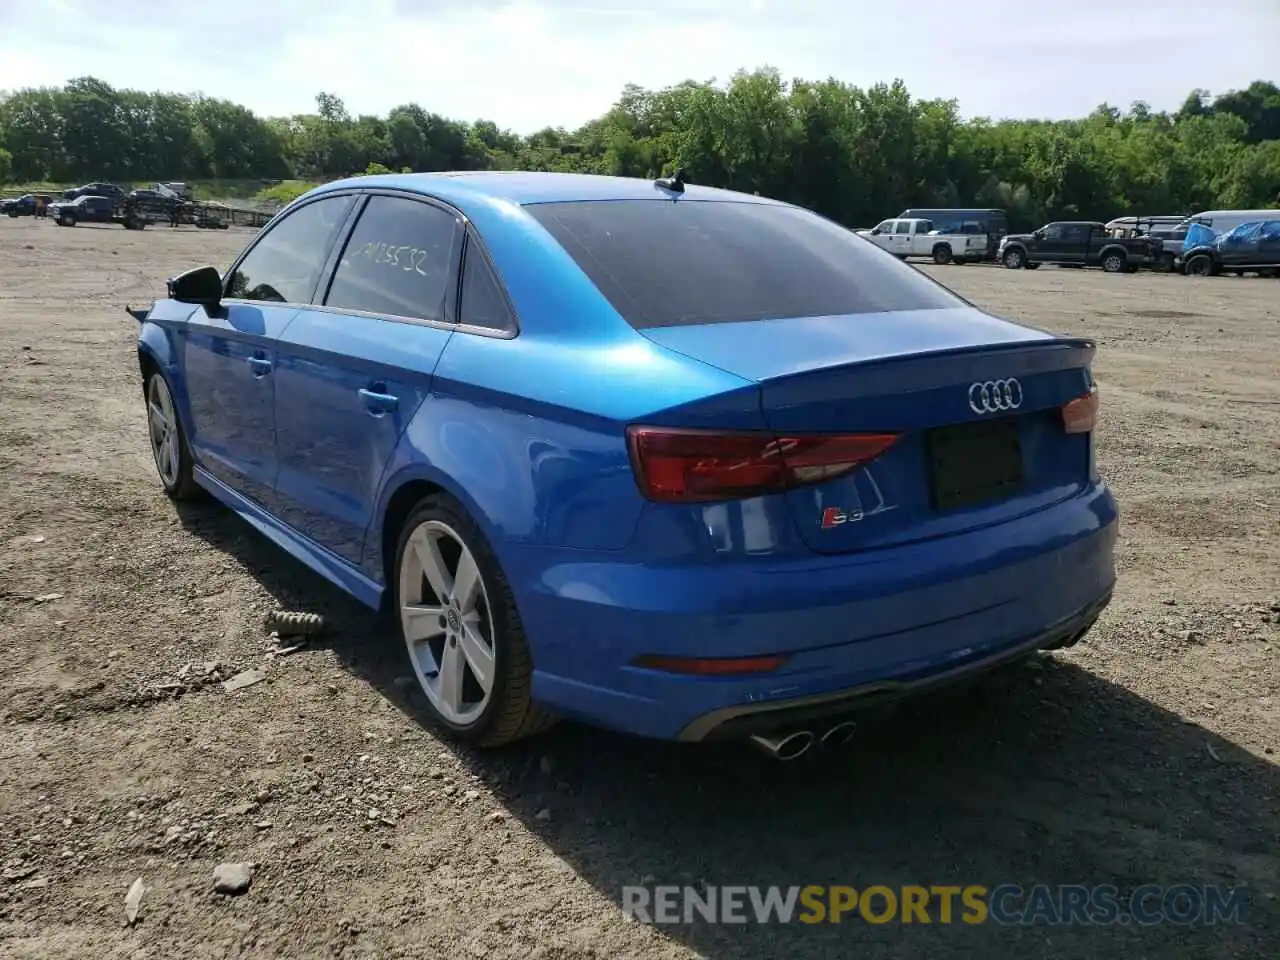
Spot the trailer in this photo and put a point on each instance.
(137, 213)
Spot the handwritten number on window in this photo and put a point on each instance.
(405, 257)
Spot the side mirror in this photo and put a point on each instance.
(1039, 234)
(875, 231)
(202, 286)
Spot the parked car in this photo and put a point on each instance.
(990, 221)
(1250, 247)
(85, 208)
(673, 460)
(919, 238)
(96, 189)
(1078, 243)
(25, 205)
(1224, 221)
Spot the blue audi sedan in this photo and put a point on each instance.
(677, 461)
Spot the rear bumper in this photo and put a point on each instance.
(856, 627)
(730, 723)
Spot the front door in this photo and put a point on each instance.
(353, 370)
(900, 242)
(229, 355)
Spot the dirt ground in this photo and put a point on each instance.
(1146, 755)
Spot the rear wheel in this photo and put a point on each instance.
(942, 253)
(1115, 262)
(461, 629)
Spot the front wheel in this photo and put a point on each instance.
(169, 441)
(1014, 259)
(1198, 266)
(461, 629)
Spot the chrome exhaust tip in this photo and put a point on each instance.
(792, 746)
(839, 735)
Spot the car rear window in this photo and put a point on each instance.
(662, 263)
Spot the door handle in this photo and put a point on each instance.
(261, 366)
(377, 402)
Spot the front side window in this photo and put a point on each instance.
(1053, 231)
(662, 263)
(399, 260)
(285, 264)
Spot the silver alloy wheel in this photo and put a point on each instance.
(446, 621)
(163, 423)
(1113, 263)
(1013, 259)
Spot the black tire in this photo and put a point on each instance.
(942, 254)
(1199, 265)
(66, 220)
(1115, 261)
(178, 484)
(1014, 258)
(510, 714)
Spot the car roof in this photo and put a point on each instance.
(523, 187)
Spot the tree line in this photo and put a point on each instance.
(856, 155)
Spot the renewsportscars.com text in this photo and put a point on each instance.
(1074, 904)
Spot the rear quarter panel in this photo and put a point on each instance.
(529, 434)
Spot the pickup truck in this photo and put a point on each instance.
(26, 205)
(918, 238)
(1078, 243)
(83, 209)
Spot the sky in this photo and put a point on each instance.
(537, 63)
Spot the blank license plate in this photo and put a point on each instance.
(974, 462)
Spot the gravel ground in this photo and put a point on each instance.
(1146, 755)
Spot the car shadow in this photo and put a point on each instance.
(1039, 773)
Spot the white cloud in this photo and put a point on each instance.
(560, 62)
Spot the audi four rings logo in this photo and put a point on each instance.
(994, 396)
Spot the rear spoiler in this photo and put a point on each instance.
(138, 313)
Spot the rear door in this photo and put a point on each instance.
(921, 242)
(353, 369)
(229, 355)
(1077, 239)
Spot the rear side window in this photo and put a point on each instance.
(285, 264)
(399, 261)
(662, 263)
(482, 303)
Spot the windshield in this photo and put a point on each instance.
(662, 263)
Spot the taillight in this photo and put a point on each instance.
(685, 465)
(1081, 414)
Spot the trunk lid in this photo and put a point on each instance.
(957, 464)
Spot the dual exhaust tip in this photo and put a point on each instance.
(794, 745)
